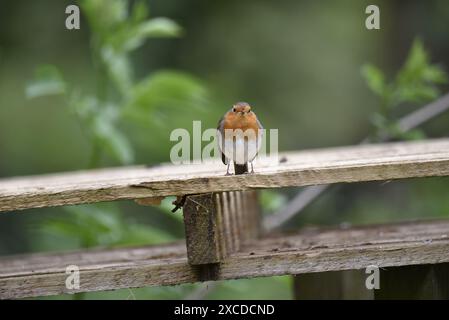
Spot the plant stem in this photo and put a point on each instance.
(95, 155)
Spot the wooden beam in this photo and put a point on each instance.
(219, 224)
(321, 166)
(311, 250)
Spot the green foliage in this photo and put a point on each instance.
(375, 79)
(162, 91)
(271, 200)
(102, 225)
(119, 100)
(167, 206)
(416, 82)
(116, 32)
(47, 81)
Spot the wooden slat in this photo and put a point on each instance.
(345, 164)
(218, 224)
(204, 240)
(308, 251)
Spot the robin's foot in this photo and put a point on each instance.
(228, 174)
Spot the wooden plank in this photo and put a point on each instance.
(202, 220)
(322, 166)
(309, 251)
(219, 224)
(421, 282)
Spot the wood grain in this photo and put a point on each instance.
(311, 250)
(321, 166)
(218, 224)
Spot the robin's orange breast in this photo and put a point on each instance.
(244, 122)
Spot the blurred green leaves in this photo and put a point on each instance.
(271, 200)
(134, 36)
(119, 101)
(113, 141)
(375, 79)
(164, 90)
(119, 27)
(416, 82)
(47, 80)
(104, 16)
(113, 25)
(117, 31)
(102, 225)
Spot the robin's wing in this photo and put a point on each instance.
(220, 124)
(224, 159)
(260, 135)
(220, 131)
(259, 124)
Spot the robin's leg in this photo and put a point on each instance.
(227, 170)
(252, 167)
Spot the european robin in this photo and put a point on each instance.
(239, 134)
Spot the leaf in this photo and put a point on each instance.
(163, 91)
(60, 227)
(417, 58)
(119, 69)
(91, 225)
(112, 140)
(417, 79)
(100, 119)
(143, 235)
(101, 217)
(85, 107)
(47, 80)
(104, 16)
(139, 12)
(396, 132)
(103, 224)
(272, 200)
(374, 78)
(415, 134)
(434, 74)
(157, 27)
(416, 93)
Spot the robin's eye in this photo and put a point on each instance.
(233, 109)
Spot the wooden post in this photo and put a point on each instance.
(406, 282)
(219, 224)
(414, 282)
(348, 284)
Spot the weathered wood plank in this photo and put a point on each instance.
(218, 224)
(308, 251)
(321, 166)
(202, 219)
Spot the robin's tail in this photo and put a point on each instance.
(240, 168)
